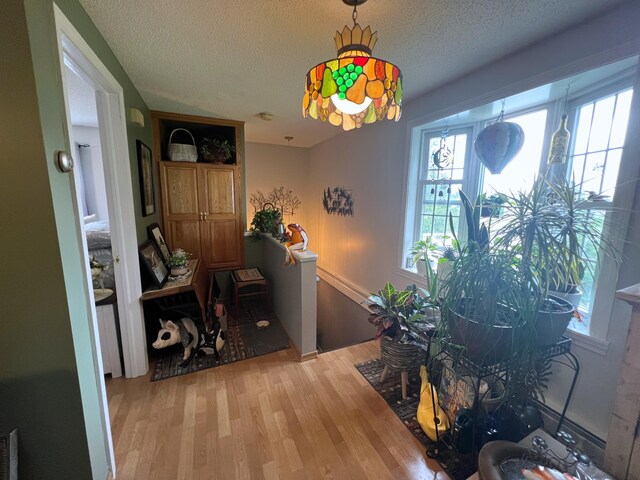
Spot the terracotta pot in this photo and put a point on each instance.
(550, 326)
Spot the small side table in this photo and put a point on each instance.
(107, 330)
(245, 278)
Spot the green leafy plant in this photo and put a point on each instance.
(178, 259)
(216, 149)
(392, 310)
(477, 231)
(265, 221)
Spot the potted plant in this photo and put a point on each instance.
(391, 311)
(216, 149)
(490, 205)
(552, 231)
(178, 262)
(422, 253)
(486, 303)
(567, 284)
(266, 220)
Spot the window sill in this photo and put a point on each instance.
(413, 276)
(593, 344)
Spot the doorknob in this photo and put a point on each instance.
(116, 259)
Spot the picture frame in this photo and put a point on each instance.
(145, 169)
(155, 235)
(151, 259)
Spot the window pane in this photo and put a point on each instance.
(454, 168)
(438, 201)
(601, 127)
(620, 119)
(584, 127)
(520, 172)
(593, 168)
(610, 178)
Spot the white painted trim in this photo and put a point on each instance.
(112, 118)
(300, 256)
(587, 342)
(351, 290)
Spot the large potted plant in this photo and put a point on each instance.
(552, 231)
(391, 311)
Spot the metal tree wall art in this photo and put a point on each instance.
(337, 201)
(282, 199)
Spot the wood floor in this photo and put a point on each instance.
(266, 418)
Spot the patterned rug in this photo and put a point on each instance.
(243, 340)
(457, 466)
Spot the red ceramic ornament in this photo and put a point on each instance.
(498, 143)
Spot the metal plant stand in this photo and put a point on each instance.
(423, 335)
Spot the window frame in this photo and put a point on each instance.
(423, 168)
(473, 178)
(605, 272)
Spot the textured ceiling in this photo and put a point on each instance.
(236, 58)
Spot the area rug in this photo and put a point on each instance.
(243, 341)
(457, 466)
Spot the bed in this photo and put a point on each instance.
(99, 245)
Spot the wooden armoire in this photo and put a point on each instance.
(202, 202)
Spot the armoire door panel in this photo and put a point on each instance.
(185, 235)
(220, 191)
(181, 184)
(221, 243)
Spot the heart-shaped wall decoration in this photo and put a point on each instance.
(497, 144)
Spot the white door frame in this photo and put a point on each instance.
(115, 153)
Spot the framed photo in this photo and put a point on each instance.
(145, 166)
(155, 266)
(155, 235)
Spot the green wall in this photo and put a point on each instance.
(48, 374)
(39, 380)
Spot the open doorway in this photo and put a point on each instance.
(94, 214)
(111, 146)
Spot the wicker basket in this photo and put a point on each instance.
(399, 356)
(181, 152)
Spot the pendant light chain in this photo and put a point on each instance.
(355, 14)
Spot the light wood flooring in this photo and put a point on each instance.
(265, 418)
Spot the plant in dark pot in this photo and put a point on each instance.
(391, 311)
(487, 300)
(266, 220)
(553, 232)
(486, 303)
(491, 204)
(216, 149)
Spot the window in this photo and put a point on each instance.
(439, 184)
(594, 160)
(597, 122)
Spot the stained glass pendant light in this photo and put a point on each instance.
(354, 88)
